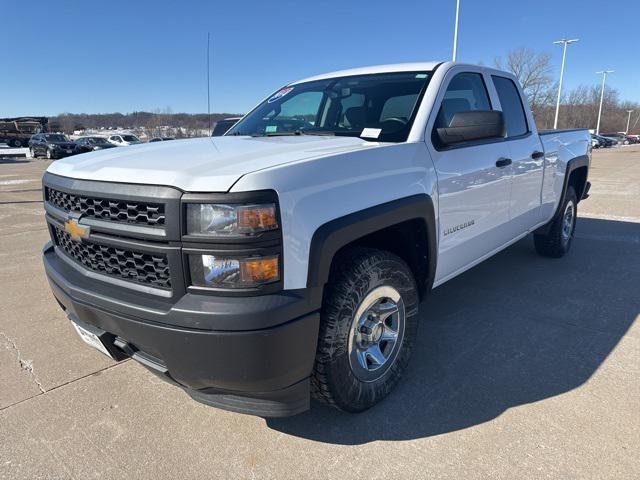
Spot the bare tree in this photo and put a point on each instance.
(533, 71)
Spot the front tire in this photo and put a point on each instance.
(557, 242)
(50, 155)
(369, 322)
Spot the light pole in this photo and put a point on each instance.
(564, 42)
(628, 121)
(604, 79)
(455, 32)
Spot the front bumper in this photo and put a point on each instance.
(247, 354)
(62, 152)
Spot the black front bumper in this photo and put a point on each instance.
(247, 354)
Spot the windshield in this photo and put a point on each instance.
(56, 138)
(97, 140)
(130, 138)
(378, 107)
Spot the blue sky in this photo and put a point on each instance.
(66, 56)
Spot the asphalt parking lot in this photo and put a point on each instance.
(525, 367)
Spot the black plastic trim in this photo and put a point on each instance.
(334, 235)
(168, 196)
(191, 310)
(262, 372)
(173, 253)
(281, 403)
(573, 164)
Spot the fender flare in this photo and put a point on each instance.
(335, 234)
(573, 164)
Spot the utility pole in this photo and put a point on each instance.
(564, 42)
(455, 32)
(628, 121)
(604, 79)
(208, 85)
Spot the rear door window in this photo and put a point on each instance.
(512, 107)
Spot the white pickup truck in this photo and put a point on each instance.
(288, 258)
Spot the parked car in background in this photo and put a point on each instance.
(51, 145)
(161, 139)
(596, 142)
(223, 126)
(605, 142)
(123, 140)
(89, 144)
(620, 138)
(634, 138)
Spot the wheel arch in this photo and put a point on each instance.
(576, 175)
(405, 227)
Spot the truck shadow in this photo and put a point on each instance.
(516, 329)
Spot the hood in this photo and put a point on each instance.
(202, 164)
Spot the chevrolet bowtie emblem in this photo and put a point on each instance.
(75, 230)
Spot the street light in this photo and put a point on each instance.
(564, 42)
(628, 121)
(455, 31)
(604, 78)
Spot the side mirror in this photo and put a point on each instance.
(472, 125)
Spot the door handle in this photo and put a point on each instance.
(503, 162)
(537, 154)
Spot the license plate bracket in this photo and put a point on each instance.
(94, 337)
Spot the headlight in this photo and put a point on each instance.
(217, 220)
(233, 272)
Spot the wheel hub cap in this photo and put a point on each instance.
(567, 222)
(376, 333)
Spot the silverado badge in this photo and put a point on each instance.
(75, 230)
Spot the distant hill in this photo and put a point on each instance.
(186, 122)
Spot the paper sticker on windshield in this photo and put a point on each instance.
(280, 94)
(371, 132)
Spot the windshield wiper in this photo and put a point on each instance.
(318, 132)
(293, 133)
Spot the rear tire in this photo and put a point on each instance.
(557, 242)
(50, 155)
(369, 322)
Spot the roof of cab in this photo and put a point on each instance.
(395, 67)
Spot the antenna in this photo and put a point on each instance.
(208, 85)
